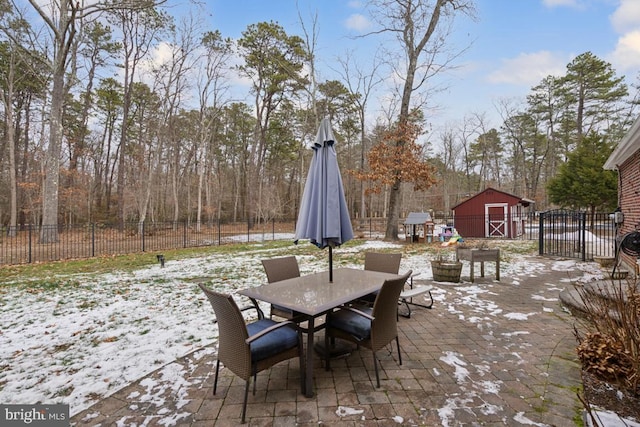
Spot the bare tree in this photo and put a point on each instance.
(361, 84)
(7, 101)
(140, 28)
(212, 89)
(61, 19)
(421, 29)
(450, 158)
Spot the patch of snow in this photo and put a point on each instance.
(343, 411)
(519, 316)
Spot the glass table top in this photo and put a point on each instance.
(313, 294)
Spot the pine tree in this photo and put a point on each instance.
(582, 182)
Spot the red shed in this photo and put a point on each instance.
(491, 213)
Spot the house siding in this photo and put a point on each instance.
(629, 195)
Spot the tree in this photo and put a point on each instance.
(592, 93)
(61, 18)
(487, 152)
(361, 85)
(273, 62)
(417, 26)
(582, 182)
(212, 87)
(529, 151)
(140, 28)
(109, 109)
(97, 46)
(391, 162)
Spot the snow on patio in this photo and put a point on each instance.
(83, 341)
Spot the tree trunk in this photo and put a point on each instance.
(49, 231)
(11, 143)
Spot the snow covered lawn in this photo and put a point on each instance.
(83, 340)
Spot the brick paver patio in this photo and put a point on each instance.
(489, 353)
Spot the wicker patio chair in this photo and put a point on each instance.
(384, 263)
(278, 269)
(247, 349)
(372, 328)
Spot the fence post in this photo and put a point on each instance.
(219, 232)
(583, 236)
(93, 239)
(273, 229)
(184, 235)
(142, 234)
(30, 228)
(541, 234)
(248, 230)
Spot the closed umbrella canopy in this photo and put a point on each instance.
(324, 217)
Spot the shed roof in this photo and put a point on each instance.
(521, 200)
(418, 218)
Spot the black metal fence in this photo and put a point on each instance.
(564, 234)
(91, 240)
(577, 234)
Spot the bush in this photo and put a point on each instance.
(609, 346)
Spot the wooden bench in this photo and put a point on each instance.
(479, 255)
(407, 295)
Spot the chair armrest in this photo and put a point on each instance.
(412, 276)
(271, 329)
(358, 312)
(254, 306)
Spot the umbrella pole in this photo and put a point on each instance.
(330, 264)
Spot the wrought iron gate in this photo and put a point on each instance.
(574, 234)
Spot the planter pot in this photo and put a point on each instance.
(446, 271)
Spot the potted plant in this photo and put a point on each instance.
(445, 270)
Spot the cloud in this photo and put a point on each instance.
(626, 17)
(357, 22)
(626, 55)
(562, 3)
(528, 68)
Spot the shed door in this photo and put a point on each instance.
(496, 219)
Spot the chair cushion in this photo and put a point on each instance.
(273, 343)
(352, 323)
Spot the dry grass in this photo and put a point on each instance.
(609, 335)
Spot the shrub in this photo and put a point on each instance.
(609, 346)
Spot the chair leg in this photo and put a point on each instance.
(399, 354)
(255, 381)
(375, 365)
(327, 352)
(246, 395)
(302, 363)
(215, 378)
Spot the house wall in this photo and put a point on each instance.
(470, 214)
(629, 190)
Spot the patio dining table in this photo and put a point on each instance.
(314, 295)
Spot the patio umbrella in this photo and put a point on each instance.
(324, 218)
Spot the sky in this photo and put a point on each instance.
(509, 48)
